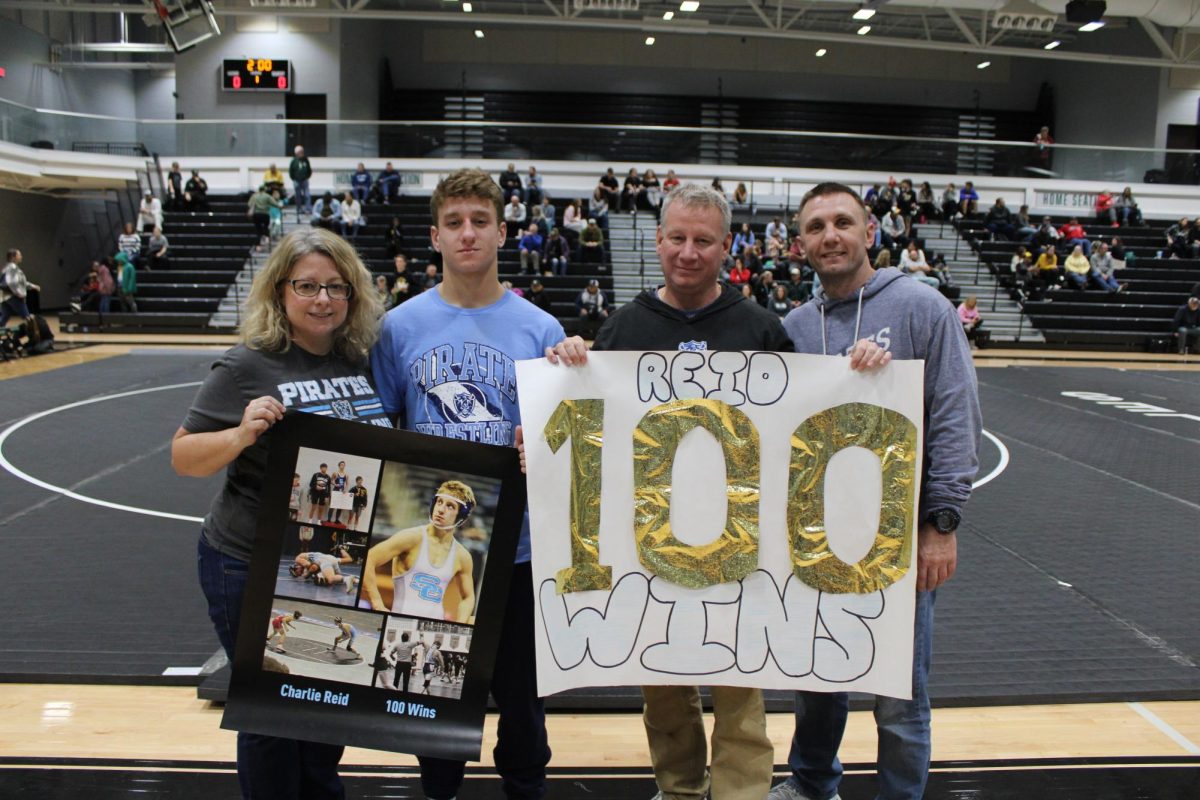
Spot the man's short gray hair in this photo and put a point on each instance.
(696, 196)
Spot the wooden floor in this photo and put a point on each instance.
(169, 723)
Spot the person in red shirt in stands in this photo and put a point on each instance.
(1073, 234)
(1106, 211)
(739, 275)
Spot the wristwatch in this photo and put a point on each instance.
(945, 520)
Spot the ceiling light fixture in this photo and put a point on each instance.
(983, 65)
(1053, 45)
(467, 7)
(864, 14)
(670, 15)
(689, 5)
(864, 30)
(1091, 26)
(821, 53)
(649, 40)
(478, 34)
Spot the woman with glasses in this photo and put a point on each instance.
(310, 319)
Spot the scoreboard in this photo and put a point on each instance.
(256, 75)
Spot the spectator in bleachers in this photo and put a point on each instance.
(1187, 323)
(326, 212)
(126, 283)
(510, 183)
(195, 192)
(573, 219)
(1193, 238)
(539, 296)
(796, 257)
(549, 212)
(748, 292)
(351, 218)
(360, 183)
(175, 187)
(885, 199)
(400, 269)
(530, 247)
(873, 224)
(130, 243)
(798, 288)
(1106, 211)
(891, 229)
(872, 193)
(671, 182)
(258, 208)
(1024, 271)
(430, 278)
(1073, 234)
(1077, 268)
(752, 256)
(949, 202)
(610, 187)
(156, 250)
(591, 244)
(776, 244)
(631, 191)
(906, 201)
(969, 316)
(775, 227)
(764, 287)
(742, 239)
(275, 212)
(1046, 234)
(779, 303)
(926, 207)
(273, 179)
(1127, 208)
(300, 171)
(598, 208)
(592, 307)
(150, 213)
(1046, 273)
(536, 217)
(394, 238)
(388, 184)
(717, 187)
(1026, 230)
(968, 200)
(1103, 269)
(104, 288)
(556, 252)
(382, 292)
(741, 195)
(999, 220)
(653, 190)
(515, 215)
(533, 187)
(883, 259)
(912, 261)
(1177, 239)
(1117, 250)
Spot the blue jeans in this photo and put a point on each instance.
(303, 199)
(903, 726)
(269, 768)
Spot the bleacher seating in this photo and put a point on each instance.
(1137, 318)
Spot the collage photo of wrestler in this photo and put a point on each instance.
(384, 593)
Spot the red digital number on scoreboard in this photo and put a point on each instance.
(237, 81)
(281, 81)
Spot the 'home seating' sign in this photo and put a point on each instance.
(723, 518)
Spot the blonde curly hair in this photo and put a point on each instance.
(266, 326)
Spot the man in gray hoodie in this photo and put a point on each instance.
(911, 321)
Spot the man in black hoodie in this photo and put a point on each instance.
(1187, 322)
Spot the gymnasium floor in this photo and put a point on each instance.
(1065, 657)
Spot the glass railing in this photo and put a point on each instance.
(649, 145)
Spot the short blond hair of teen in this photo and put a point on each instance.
(266, 327)
(471, 183)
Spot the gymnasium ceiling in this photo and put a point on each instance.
(1151, 33)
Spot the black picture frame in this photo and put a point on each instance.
(314, 709)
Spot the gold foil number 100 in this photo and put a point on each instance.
(734, 554)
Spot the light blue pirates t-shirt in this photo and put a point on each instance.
(450, 371)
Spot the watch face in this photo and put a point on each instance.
(945, 520)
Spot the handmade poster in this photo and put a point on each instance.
(379, 627)
(723, 518)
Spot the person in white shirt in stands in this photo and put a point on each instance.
(150, 213)
(912, 261)
(351, 215)
(514, 215)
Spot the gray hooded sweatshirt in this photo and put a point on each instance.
(912, 321)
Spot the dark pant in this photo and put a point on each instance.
(403, 672)
(262, 224)
(269, 768)
(522, 752)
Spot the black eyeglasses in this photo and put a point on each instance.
(307, 288)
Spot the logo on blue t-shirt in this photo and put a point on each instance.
(464, 389)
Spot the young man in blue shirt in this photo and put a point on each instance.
(445, 365)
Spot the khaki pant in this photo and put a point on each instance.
(742, 759)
